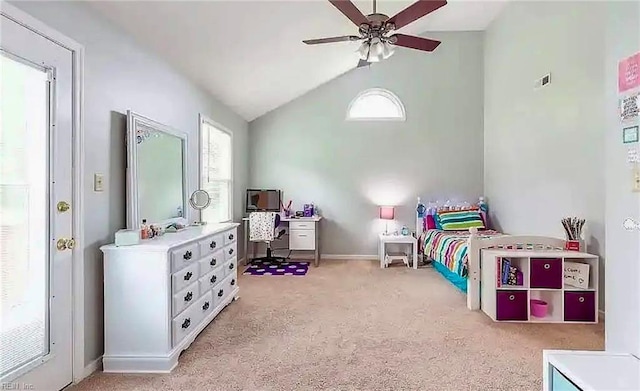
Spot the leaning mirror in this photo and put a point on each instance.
(199, 200)
(156, 172)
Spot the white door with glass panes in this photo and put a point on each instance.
(216, 171)
(35, 210)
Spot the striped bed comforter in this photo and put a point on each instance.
(449, 248)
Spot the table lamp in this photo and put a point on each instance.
(387, 213)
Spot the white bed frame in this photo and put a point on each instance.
(477, 243)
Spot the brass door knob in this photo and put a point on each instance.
(63, 206)
(65, 244)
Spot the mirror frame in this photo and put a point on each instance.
(133, 203)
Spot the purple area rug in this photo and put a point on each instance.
(291, 268)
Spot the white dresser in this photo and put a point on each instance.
(160, 294)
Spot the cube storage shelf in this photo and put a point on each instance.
(543, 279)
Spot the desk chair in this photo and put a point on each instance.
(262, 228)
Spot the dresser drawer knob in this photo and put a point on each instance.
(187, 256)
(212, 245)
(230, 251)
(188, 296)
(233, 282)
(188, 276)
(581, 299)
(186, 323)
(220, 293)
(213, 262)
(231, 266)
(205, 306)
(230, 236)
(213, 279)
(547, 266)
(512, 297)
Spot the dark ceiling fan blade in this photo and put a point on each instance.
(415, 11)
(363, 63)
(350, 11)
(331, 39)
(409, 41)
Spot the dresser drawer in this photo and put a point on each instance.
(230, 251)
(185, 323)
(231, 266)
(233, 282)
(211, 262)
(308, 225)
(184, 277)
(301, 239)
(205, 305)
(212, 279)
(221, 291)
(211, 244)
(185, 297)
(230, 236)
(183, 256)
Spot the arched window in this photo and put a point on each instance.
(376, 104)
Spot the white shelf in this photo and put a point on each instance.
(555, 297)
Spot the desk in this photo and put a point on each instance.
(304, 235)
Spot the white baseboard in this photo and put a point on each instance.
(337, 257)
(95, 365)
(352, 257)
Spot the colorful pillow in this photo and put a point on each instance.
(458, 220)
(430, 222)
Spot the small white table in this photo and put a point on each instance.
(383, 240)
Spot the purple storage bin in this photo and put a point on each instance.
(511, 305)
(519, 278)
(546, 273)
(580, 306)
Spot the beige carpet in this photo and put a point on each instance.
(348, 325)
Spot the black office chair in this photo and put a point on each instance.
(267, 238)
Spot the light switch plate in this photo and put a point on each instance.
(98, 182)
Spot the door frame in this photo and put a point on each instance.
(77, 291)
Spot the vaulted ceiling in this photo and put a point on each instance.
(249, 54)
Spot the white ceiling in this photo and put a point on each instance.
(249, 54)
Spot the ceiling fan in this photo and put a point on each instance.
(374, 30)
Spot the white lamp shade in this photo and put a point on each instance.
(363, 51)
(387, 50)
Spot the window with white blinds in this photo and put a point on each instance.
(216, 171)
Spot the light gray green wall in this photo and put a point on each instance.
(543, 149)
(121, 75)
(307, 149)
(623, 247)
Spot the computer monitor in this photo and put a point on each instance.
(261, 200)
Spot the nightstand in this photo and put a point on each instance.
(383, 240)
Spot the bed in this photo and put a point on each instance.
(456, 255)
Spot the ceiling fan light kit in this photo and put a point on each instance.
(374, 30)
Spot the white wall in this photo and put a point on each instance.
(543, 149)
(307, 149)
(121, 75)
(623, 247)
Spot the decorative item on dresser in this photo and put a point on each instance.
(160, 294)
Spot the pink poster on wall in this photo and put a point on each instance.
(629, 73)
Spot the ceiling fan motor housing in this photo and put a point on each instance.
(377, 26)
